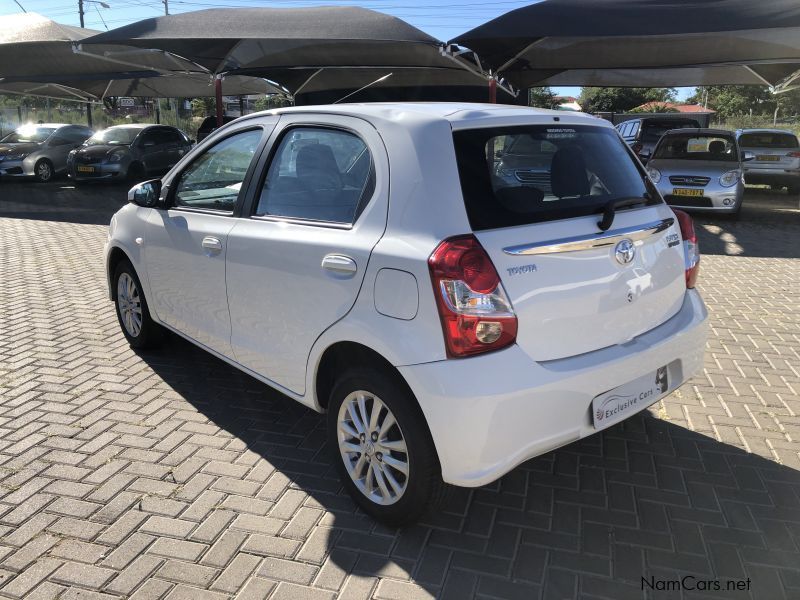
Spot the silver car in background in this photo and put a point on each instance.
(128, 152)
(699, 170)
(777, 158)
(39, 151)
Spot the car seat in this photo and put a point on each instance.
(568, 176)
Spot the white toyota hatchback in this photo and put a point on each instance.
(461, 287)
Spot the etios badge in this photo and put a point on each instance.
(624, 252)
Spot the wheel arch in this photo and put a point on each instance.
(115, 256)
(340, 355)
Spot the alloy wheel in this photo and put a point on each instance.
(44, 171)
(129, 303)
(373, 448)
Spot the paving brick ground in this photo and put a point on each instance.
(171, 475)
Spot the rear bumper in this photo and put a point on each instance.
(488, 414)
(756, 176)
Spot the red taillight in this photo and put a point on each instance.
(475, 312)
(691, 248)
(793, 155)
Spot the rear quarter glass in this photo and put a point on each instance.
(520, 175)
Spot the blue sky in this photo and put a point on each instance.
(443, 19)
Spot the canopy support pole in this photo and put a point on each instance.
(493, 91)
(218, 95)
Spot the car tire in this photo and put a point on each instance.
(378, 485)
(43, 170)
(132, 311)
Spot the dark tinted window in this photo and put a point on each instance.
(691, 146)
(565, 171)
(653, 130)
(768, 140)
(318, 174)
(214, 179)
(76, 135)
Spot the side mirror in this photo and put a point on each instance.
(146, 194)
(748, 156)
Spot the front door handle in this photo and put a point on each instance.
(212, 244)
(340, 264)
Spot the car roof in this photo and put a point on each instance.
(757, 130)
(49, 125)
(459, 114)
(700, 131)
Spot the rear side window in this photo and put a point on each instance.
(522, 175)
(318, 174)
(768, 140)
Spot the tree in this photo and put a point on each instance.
(542, 97)
(605, 99)
(654, 107)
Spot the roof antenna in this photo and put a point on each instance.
(384, 78)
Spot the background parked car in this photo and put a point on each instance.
(128, 152)
(209, 126)
(777, 158)
(643, 134)
(699, 169)
(40, 151)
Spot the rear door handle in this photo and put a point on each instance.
(212, 244)
(339, 263)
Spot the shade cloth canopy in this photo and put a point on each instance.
(268, 41)
(180, 85)
(769, 74)
(32, 46)
(555, 36)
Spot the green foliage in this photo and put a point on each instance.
(542, 97)
(734, 101)
(271, 101)
(605, 99)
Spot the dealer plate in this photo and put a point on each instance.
(628, 399)
(687, 192)
(82, 169)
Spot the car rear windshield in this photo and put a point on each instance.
(691, 146)
(768, 140)
(653, 130)
(520, 175)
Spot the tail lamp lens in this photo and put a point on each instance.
(474, 309)
(691, 247)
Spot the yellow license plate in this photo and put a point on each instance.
(767, 157)
(687, 192)
(85, 169)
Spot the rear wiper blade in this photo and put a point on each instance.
(609, 210)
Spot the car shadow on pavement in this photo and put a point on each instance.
(62, 200)
(768, 227)
(622, 514)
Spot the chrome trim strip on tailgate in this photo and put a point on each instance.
(585, 242)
